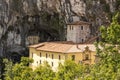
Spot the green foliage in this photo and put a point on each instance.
(8, 69)
(25, 61)
(69, 71)
(108, 67)
(44, 72)
(19, 71)
(111, 34)
(1, 68)
(109, 64)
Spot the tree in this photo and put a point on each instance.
(108, 68)
(44, 72)
(112, 33)
(18, 71)
(69, 71)
(8, 69)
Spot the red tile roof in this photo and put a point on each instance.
(63, 47)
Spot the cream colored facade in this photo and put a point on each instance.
(57, 52)
(78, 32)
(53, 62)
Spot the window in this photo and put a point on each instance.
(46, 55)
(52, 56)
(40, 61)
(59, 57)
(72, 27)
(82, 40)
(37, 62)
(81, 27)
(40, 54)
(32, 55)
(86, 57)
(73, 57)
(52, 64)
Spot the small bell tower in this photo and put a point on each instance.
(78, 32)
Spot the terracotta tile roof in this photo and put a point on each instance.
(63, 47)
(55, 47)
(81, 48)
(79, 23)
(37, 45)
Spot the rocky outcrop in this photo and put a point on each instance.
(47, 19)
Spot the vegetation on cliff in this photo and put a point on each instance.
(106, 68)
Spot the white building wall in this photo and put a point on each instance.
(36, 59)
(71, 33)
(76, 35)
(43, 59)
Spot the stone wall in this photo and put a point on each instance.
(78, 33)
(15, 14)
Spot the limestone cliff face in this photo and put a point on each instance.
(47, 19)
